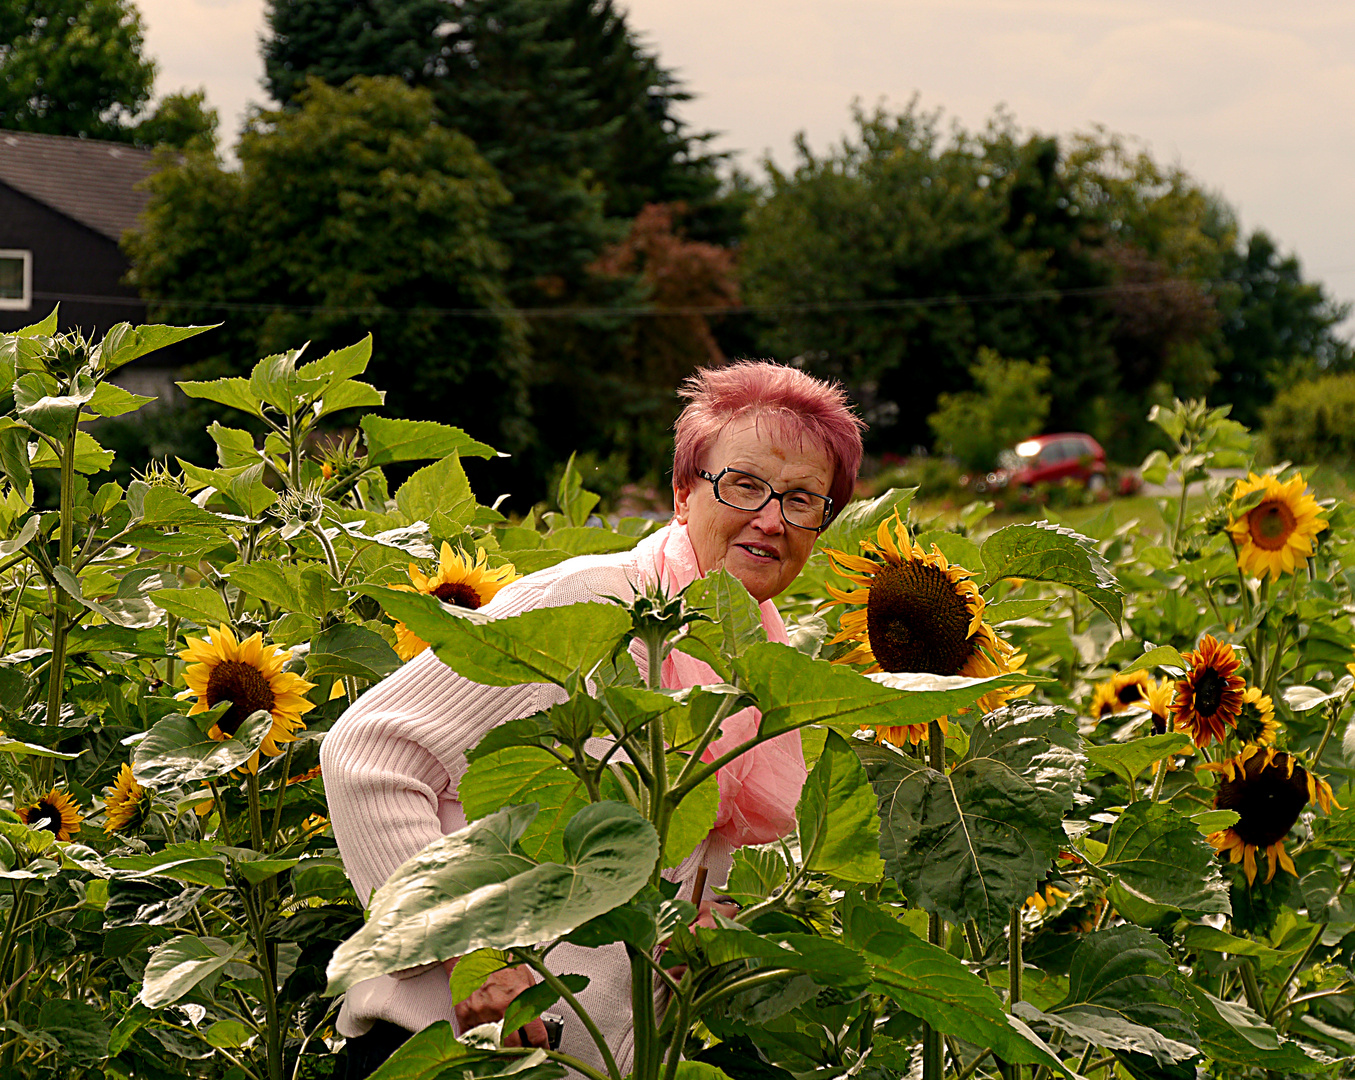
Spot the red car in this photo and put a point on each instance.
(1049, 459)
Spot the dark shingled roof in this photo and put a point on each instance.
(92, 181)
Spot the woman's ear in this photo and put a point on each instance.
(681, 502)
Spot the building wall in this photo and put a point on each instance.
(69, 259)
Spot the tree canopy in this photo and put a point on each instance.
(356, 211)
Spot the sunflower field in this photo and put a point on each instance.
(1079, 803)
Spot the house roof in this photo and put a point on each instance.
(89, 180)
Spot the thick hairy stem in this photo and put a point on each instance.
(1014, 959)
(552, 980)
(648, 1049)
(264, 950)
(282, 796)
(933, 1056)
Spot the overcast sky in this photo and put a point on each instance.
(1255, 99)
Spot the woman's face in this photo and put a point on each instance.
(757, 547)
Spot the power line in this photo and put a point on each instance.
(649, 311)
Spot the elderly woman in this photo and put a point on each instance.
(765, 455)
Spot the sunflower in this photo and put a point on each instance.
(1256, 722)
(56, 812)
(1268, 789)
(249, 675)
(1277, 533)
(1042, 901)
(126, 803)
(1118, 693)
(1157, 699)
(459, 582)
(1209, 699)
(918, 613)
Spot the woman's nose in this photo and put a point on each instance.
(769, 519)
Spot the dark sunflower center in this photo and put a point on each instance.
(1209, 689)
(917, 621)
(1270, 524)
(1159, 724)
(1131, 693)
(459, 594)
(1267, 802)
(244, 687)
(45, 816)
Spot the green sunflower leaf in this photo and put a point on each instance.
(541, 645)
(645, 920)
(927, 982)
(124, 343)
(830, 962)
(389, 441)
(1128, 760)
(1120, 997)
(347, 649)
(176, 752)
(440, 488)
(177, 966)
(861, 519)
(973, 843)
(793, 689)
(839, 829)
(1162, 866)
(517, 776)
(471, 890)
(234, 393)
(471, 971)
(531, 1003)
(735, 621)
(1162, 656)
(1238, 1039)
(1040, 551)
(204, 606)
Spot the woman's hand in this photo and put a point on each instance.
(489, 1002)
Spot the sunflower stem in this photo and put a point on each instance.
(1014, 959)
(1333, 715)
(971, 933)
(1159, 781)
(171, 638)
(1250, 989)
(282, 796)
(221, 814)
(255, 811)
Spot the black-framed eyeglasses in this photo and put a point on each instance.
(744, 491)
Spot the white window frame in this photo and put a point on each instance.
(25, 302)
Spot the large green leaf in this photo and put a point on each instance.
(1040, 551)
(1239, 1040)
(973, 843)
(531, 1003)
(112, 400)
(435, 1053)
(1162, 866)
(1129, 759)
(861, 520)
(583, 540)
(177, 966)
(470, 891)
(522, 775)
(164, 507)
(51, 413)
(929, 983)
(124, 343)
(389, 441)
(233, 392)
(839, 829)
(204, 606)
(735, 621)
(440, 488)
(693, 818)
(541, 645)
(90, 457)
(347, 649)
(644, 921)
(831, 963)
(176, 752)
(193, 862)
(1120, 997)
(793, 690)
(136, 613)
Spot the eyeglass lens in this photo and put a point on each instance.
(747, 492)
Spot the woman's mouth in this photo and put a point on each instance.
(763, 552)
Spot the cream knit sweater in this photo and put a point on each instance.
(391, 767)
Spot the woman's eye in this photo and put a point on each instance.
(799, 502)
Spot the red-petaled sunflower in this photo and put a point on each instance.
(917, 613)
(249, 675)
(459, 581)
(1276, 534)
(127, 804)
(1209, 699)
(1119, 692)
(1268, 789)
(56, 812)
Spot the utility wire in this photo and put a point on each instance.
(650, 311)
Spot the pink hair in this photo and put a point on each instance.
(799, 404)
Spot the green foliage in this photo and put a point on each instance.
(1007, 405)
(1312, 421)
(73, 67)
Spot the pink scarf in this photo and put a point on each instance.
(759, 790)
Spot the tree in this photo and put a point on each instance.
(182, 121)
(73, 67)
(1008, 405)
(355, 212)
